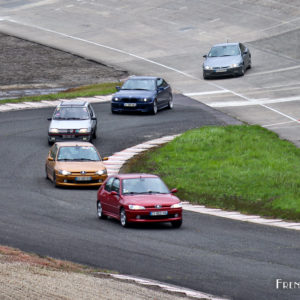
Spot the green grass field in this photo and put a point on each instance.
(243, 168)
(82, 91)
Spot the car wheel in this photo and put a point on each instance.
(54, 180)
(123, 218)
(95, 133)
(205, 76)
(99, 211)
(176, 224)
(242, 71)
(170, 104)
(154, 108)
(50, 143)
(249, 66)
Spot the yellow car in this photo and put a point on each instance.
(75, 164)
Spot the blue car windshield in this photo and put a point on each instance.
(139, 84)
(144, 185)
(78, 153)
(226, 50)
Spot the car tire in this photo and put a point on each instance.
(47, 177)
(205, 76)
(154, 107)
(95, 133)
(50, 143)
(242, 71)
(176, 224)
(123, 218)
(54, 180)
(170, 103)
(99, 211)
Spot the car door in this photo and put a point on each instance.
(105, 195)
(93, 118)
(50, 165)
(161, 92)
(114, 198)
(245, 54)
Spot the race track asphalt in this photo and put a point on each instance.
(210, 254)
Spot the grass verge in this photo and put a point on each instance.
(82, 91)
(243, 168)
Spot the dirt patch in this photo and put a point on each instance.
(29, 68)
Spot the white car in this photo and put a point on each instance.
(73, 120)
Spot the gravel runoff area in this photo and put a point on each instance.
(28, 68)
(31, 69)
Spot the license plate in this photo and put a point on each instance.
(221, 70)
(69, 136)
(83, 178)
(130, 104)
(158, 213)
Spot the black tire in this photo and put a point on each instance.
(123, 218)
(54, 180)
(50, 143)
(95, 133)
(205, 76)
(99, 211)
(154, 108)
(176, 224)
(170, 104)
(242, 71)
(47, 177)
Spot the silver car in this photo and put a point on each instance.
(73, 120)
(226, 59)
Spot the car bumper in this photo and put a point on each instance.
(68, 137)
(141, 216)
(222, 72)
(72, 180)
(140, 107)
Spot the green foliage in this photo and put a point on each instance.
(245, 168)
(82, 91)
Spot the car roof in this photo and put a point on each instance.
(73, 103)
(144, 77)
(226, 44)
(74, 143)
(136, 175)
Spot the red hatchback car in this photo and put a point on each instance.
(136, 198)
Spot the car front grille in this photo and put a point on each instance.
(130, 100)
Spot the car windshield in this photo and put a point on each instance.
(78, 153)
(71, 113)
(226, 50)
(139, 84)
(144, 185)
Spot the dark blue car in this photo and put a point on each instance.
(142, 94)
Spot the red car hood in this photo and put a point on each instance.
(151, 199)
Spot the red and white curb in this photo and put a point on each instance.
(166, 287)
(45, 103)
(117, 160)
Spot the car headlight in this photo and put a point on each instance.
(64, 172)
(177, 205)
(146, 100)
(115, 99)
(101, 172)
(83, 130)
(234, 65)
(135, 207)
(208, 68)
(53, 130)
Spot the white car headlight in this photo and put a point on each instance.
(177, 205)
(135, 207)
(101, 172)
(53, 130)
(234, 65)
(64, 172)
(115, 99)
(208, 68)
(83, 130)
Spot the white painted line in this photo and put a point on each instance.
(276, 124)
(206, 93)
(167, 287)
(274, 71)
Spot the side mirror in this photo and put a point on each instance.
(94, 118)
(49, 119)
(114, 193)
(118, 88)
(159, 89)
(50, 158)
(174, 191)
(105, 158)
(246, 51)
(205, 56)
